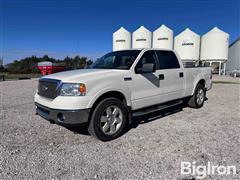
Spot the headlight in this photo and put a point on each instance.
(73, 89)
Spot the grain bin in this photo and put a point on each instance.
(187, 45)
(214, 45)
(163, 38)
(233, 61)
(142, 38)
(121, 39)
(214, 49)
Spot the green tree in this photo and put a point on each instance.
(29, 64)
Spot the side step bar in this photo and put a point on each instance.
(156, 108)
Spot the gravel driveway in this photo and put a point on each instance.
(32, 148)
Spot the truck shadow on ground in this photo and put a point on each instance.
(137, 120)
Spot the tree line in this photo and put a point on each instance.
(28, 65)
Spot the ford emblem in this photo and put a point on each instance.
(44, 88)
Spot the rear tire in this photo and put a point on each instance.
(198, 98)
(108, 119)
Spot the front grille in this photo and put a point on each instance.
(48, 88)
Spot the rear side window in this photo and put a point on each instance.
(167, 60)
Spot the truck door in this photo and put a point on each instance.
(173, 77)
(147, 89)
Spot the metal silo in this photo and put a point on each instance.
(163, 38)
(142, 38)
(121, 39)
(214, 49)
(187, 45)
(233, 56)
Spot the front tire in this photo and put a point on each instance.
(108, 119)
(198, 98)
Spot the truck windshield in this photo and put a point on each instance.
(116, 60)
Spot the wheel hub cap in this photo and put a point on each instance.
(200, 96)
(111, 120)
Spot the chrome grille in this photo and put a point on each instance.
(48, 88)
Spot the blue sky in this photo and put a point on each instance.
(69, 27)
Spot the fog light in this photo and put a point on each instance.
(61, 117)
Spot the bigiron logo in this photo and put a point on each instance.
(202, 171)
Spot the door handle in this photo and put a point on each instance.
(127, 78)
(161, 76)
(181, 74)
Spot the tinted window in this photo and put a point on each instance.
(116, 60)
(147, 57)
(167, 60)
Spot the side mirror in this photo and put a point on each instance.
(146, 68)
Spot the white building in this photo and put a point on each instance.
(121, 39)
(187, 45)
(163, 38)
(142, 38)
(214, 49)
(233, 56)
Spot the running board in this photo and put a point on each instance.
(156, 108)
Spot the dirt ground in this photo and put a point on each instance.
(153, 148)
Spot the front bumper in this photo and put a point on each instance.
(64, 117)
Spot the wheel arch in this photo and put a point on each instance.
(109, 93)
(200, 81)
(112, 93)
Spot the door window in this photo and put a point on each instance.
(148, 57)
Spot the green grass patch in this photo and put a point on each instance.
(17, 76)
(225, 82)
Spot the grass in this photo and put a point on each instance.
(224, 82)
(17, 76)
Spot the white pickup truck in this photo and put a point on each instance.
(119, 85)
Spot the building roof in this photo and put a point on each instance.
(234, 42)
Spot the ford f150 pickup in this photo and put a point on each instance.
(118, 86)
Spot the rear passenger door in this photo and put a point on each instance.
(173, 77)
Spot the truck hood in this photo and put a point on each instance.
(84, 74)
